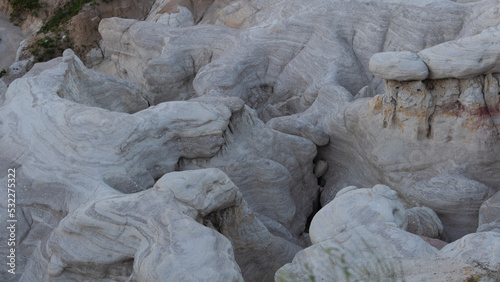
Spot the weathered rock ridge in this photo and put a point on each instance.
(76, 122)
(226, 141)
(285, 56)
(361, 235)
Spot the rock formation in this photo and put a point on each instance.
(226, 141)
(76, 121)
(149, 236)
(366, 241)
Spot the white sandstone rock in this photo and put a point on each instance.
(359, 235)
(3, 87)
(88, 87)
(462, 259)
(465, 57)
(274, 171)
(94, 152)
(157, 228)
(413, 132)
(401, 66)
(424, 222)
(357, 207)
(491, 226)
(455, 199)
(279, 65)
(86, 158)
(179, 16)
(365, 253)
(466, 250)
(378, 250)
(490, 210)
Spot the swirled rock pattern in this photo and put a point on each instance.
(401, 66)
(477, 55)
(488, 214)
(353, 207)
(424, 221)
(357, 240)
(379, 248)
(459, 217)
(158, 239)
(279, 65)
(221, 127)
(412, 133)
(95, 153)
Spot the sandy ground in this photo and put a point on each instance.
(10, 36)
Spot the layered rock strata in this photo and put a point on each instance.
(361, 235)
(119, 180)
(280, 56)
(436, 141)
(97, 148)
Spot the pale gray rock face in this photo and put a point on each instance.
(423, 138)
(459, 260)
(401, 66)
(462, 58)
(66, 154)
(424, 222)
(205, 148)
(173, 241)
(163, 12)
(377, 250)
(359, 235)
(161, 239)
(465, 250)
(272, 169)
(162, 59)
(281, 56)
(435, 127)
(460, 216)
(489, 212)
(366, 253)
(465, 57)
(413, 132)
(89, 151)
(3, 87)
(353, 207)
(17, 70)
(492, 226)
(258, 252)
(88, 87)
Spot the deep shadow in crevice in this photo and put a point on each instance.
(316, 207)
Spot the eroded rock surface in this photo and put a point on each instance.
(221, 127)
(360, 240)
(477, 55)
(353, 207)
(488, 214)
(424, 221)
(279, 65)
(94, 151)
(401, 66)
(379, 248)
(160, 239)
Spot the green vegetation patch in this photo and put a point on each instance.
(19, 6)
(25, 4)
(49, 47)
(63, 15)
